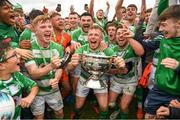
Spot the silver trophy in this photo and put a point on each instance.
(96, 66)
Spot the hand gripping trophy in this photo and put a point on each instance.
(96, 66)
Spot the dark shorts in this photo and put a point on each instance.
(157, 98)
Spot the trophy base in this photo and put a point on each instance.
(95, 84)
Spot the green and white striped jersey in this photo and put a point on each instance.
(101, 23)
(79, 36)
(42, 57)
(110, 44)
(129, 56)
(14, 87)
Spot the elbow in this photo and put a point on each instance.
(34, 75)
(140, 52)
(35, 89)
(117, 9)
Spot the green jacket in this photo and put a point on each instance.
(7, 31)
(167, 79)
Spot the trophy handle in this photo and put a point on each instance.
(102, 84)
(65, 60)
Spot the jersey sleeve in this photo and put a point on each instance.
(109, 52)
(75, 34)
(29, 62)
(25, 82)
(79, 51)
(25, 35)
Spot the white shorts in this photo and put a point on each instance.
(128, 89)
(54, 101)
(77, 71)
(83, 91)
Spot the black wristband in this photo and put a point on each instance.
(178, 70)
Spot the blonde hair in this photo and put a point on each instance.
(97, 27)
(41, 19)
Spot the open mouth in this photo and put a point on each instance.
(86, 26)
(165, 34)
(60, 24)
(93, 42)
(110, 35)
(12, 17)
(130, 14)
(121, 40)
(47, 35)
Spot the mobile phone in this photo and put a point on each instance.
(58, 8)
(85, 6)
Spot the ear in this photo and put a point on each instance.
(178, 24)
(2, 67)
(178, 27)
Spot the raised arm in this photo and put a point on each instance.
(143, 6)
(91, 7)
(143, 11)
(114, 17)
(107, 9)
(137, 47)
(118, 9)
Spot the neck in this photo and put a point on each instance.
(74, 27)
(57, 32)
(5, 76)
(84, 31)
(94, 50)
(131, 22)
(42, 44)
(100, 19)
(5, 24)
(112, 40)
(122, 47)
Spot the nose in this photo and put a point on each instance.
(160, 28)
(121, 35)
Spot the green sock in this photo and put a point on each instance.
(103, 114)
(124, 116)
(77, 113)
(116, 108)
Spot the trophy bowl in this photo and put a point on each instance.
(96, 66)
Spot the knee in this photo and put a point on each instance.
(39, 117)
(79, 105)
(149, 116)
(124, 107)
(104, 107)
(59, 113)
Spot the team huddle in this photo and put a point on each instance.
(47, 60)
